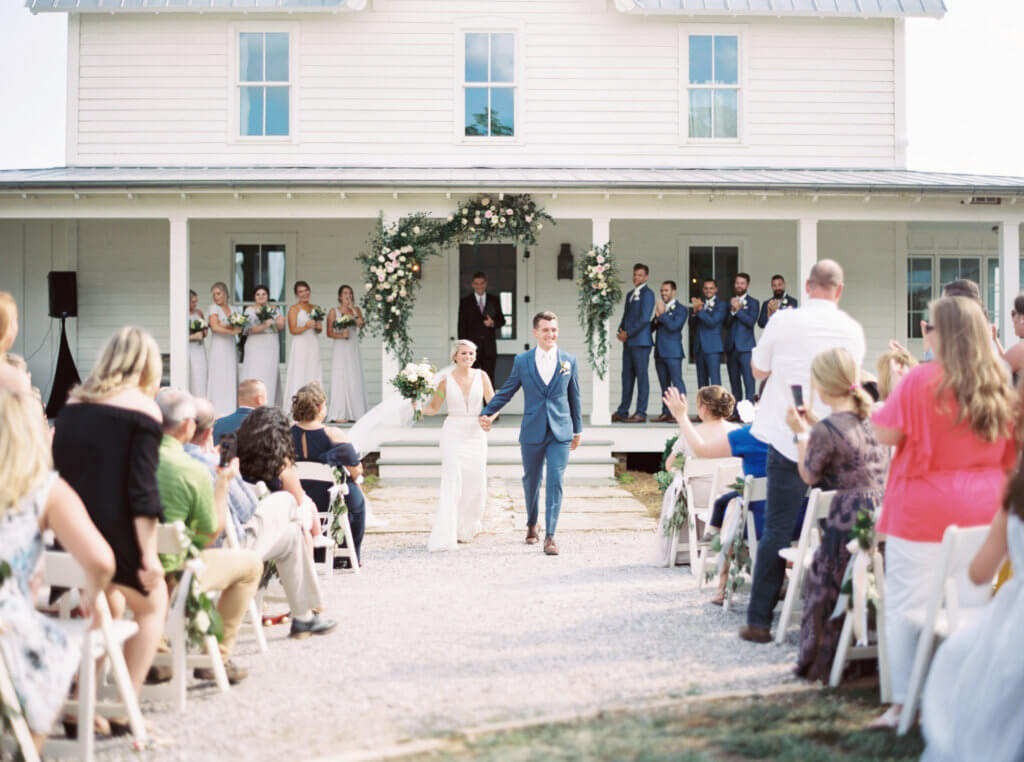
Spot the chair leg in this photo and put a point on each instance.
(220, 676)
(257, 625)
(787, 605)
(350, 543)
(922, 658)
(87, 701)
(115, 657)
(691, 549)
(839, 662)
(179, 668)
(884, 675)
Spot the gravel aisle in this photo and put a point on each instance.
(493, 631)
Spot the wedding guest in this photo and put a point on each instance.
(197, 366)
(793, 338)
(252, 393)
(106, 447)
(312, 441)
(222, 376)
(714, 408)
(951, 421)
(780, 301)
(635, 335)
(40, 657)
(10, 378)
(262, 346)
(1014, 356)
(480, 320)
(267, 526)
(708, 316)
(304, 356)
(892, 367)
(348, 392)
(839, 453)
(188, 497)
(668, 322)
(974, 683)
(740, 324)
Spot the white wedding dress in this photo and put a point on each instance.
(303, 361)
(463, 497)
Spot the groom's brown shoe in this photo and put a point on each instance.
(549, 546)
(531, 534)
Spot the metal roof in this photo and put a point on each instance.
(193, 6)
(840, 8)
(539, 178)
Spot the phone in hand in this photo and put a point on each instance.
(228, 447)
(798, 396)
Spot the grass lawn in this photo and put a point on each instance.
(804, 727)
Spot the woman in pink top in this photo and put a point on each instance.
(951, 421)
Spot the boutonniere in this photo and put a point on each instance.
(784, 303)
(565, 368)
(710, 304)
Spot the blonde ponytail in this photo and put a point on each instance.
(836, 374)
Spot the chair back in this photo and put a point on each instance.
(60, 569)
(754, 488)
(312, 471)
(708, 466)
(959, 546)
(819, 503)
(172, 539)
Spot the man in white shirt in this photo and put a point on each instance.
(792, 339)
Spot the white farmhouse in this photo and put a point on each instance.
(234, 140)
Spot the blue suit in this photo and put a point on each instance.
(229, 423)
(551, 418)
(668, 348)
(741, 343)
(636, 352)
(708, 347)
(789, 303)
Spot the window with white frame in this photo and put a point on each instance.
(489, 84)
(264, 84)
(713, 86)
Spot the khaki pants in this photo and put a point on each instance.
(236, 574)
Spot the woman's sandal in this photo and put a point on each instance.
(101, 726)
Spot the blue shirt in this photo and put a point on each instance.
(241, 503)
(752, 451)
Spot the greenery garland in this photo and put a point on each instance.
(599, 295)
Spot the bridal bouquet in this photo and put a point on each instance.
(238, 320)
(344, 322)
(317, 314)
(266, 312)
(415, 382)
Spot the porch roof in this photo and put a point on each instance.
(191, 6)
(830, 8)
(473, 179)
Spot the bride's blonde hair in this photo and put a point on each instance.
(462, 343)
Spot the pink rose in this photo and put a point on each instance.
(488, 214)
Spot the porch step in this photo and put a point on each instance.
(496, 450)
(579, 468)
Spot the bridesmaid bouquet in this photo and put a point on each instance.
(195, 325)
(238, 320)
(415, 382)
(344, 322)
(266, 312)
(317, 314)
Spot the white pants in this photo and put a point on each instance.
(908, 585)
(274, 533)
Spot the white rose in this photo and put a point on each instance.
(486, 202)
(540, 226)
(369, 286)
(409, 375)
(380, 258)
(450, 218)
(416, 230)
(203, 621)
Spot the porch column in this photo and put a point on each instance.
(388, 362)
(1009, 275)
(178, 301)
(806, 252)
(600, 412)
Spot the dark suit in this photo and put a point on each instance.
(790, 304)
(668, 348)
(229, 423)
(708, 347)
(740, 344)
(636, 352)
(471, 326)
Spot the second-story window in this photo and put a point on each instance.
(490, 84)
(264, 84)
(714, 86)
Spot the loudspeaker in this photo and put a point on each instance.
(63, 293)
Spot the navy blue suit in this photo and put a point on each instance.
(741, 343)
(668, 348)
(789, 304)
(551, 417)
(229, 423)
(708, 347)
(636, 353)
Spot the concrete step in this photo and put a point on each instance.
(495, 451)
(578, 468)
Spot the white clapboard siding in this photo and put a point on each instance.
(379, 88)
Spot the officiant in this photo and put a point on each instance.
(480, 319)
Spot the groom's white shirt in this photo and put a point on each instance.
(546, 363)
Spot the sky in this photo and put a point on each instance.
(964, 109)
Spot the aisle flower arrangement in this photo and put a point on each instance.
(599, 295)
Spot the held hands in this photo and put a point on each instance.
(676, 403)
(485, 422)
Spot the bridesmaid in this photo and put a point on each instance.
(348, 394)
(304, 355)
(261, 346)
(222, 378)
(196, 349)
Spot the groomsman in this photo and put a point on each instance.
(780, 301)
(480, 319)
(709, 315)
(742, 316)
(669, 319)
(635, 335)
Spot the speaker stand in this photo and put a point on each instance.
(66, 376)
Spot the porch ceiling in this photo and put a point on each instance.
(191, 6)
(595, 179)
(829, 8)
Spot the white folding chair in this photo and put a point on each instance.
(255, 620)
(724, 472)
(754, 489)
(953, 601)
(818, 505)
(22, 735)
(846, 651)
(321, 472)
(107, 642)
(171, 539)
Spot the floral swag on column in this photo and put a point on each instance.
(599, 295)
(396, 253)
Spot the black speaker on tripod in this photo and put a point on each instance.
(63, 304)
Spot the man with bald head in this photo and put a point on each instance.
(791, 340)
(252, 393)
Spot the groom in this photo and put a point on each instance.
(552, 424)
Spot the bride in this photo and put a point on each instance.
(463, 450)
